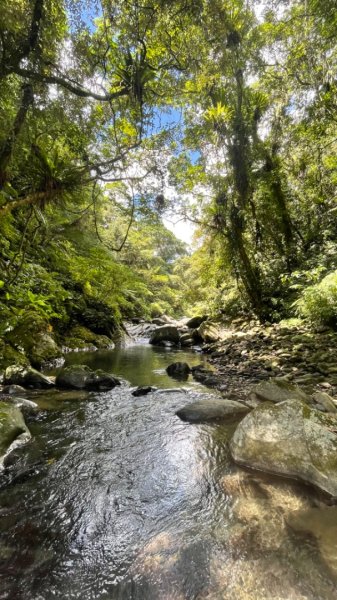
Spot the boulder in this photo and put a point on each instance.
(12, 428)
(79, 337)
(26, 377)
(212, 409)
(195, 322)
(33, 335)
(166, 333)
(13, 390)
(143, 390)
(208, 332)
(327, 402)
(81, 377)
(101, 382)
(186, 340)
(26, 406)
(178, 370)
(289, 439)
(277, 390)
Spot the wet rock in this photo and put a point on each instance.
(81, 377)
(143, 390)
(289, 439)
(26, 406)
(212, 409)
(178, 370)
(165, 333)
(26, 377)
(277, 390)
(13, 390)
(12, 428)
(195, 322)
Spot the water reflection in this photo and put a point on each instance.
(125, 501)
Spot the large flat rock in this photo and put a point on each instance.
(212, 409)
(292, 440)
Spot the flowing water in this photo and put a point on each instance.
(116, 498)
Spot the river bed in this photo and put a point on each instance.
(119, 499)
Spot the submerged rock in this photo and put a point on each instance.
(12, 428)
(211, 409)
(26, 377)
(178, 370)
(166, 333)
(289, 439)
(277, 390)
(81, 377)
(322, 524)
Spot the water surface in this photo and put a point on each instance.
(119, 499)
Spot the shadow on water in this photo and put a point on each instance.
(124, 501)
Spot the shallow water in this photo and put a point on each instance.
(119, 499)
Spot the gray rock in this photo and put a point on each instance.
(195, 322)
(329, 404)
(13, 390)
(166, 333)
(215, 408)
(12, 428)
(208, 332)
(289, 439)
(178, 370)
(26, 377)
(81, 377)
(277, 390)
(27, 406)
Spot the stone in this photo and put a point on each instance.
(208, 332)
(186, 340)
(81, 377)
(195, 322)
(12, 428)
(289, 439)
(79, 337)
(33, 334)
(210, 409)
(73, 377)
(13, 390)
(165, 333)
(27, 406)
(26, 377)
(178, 370)
(329, 403)
(277, 390)
(143, 390)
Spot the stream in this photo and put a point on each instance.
(119, 499)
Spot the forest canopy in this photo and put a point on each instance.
(116, 115)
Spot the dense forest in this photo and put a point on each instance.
(116, 116)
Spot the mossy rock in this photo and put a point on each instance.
(33, 336)
(79, 337)
(10, 356)
(12, 426)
